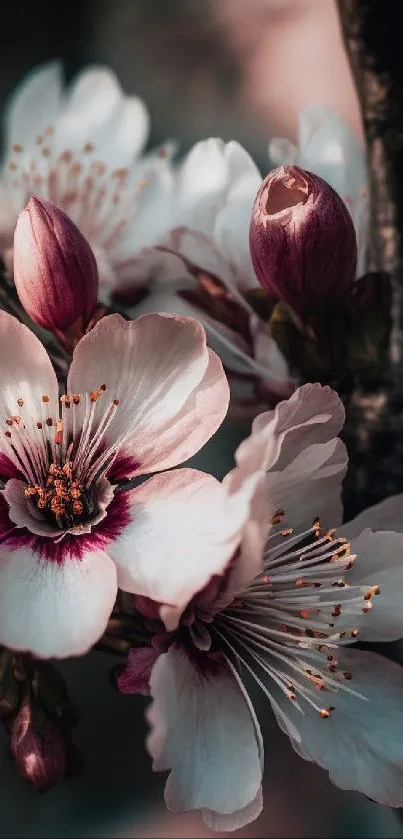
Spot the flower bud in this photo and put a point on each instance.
(55, 271)
(302, 240)
(37, 747)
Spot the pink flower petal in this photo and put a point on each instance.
(135, 678)
(202, 730)
(304, 459)
(172, 390)
(313, 414)
(54, 609)
(184, 529)
(27, 376)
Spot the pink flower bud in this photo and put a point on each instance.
(302, 240)
(55, 272)
(37, 747)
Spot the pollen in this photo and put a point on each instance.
(62, 497)
(325, 712)
(95, 394)
(120, 173)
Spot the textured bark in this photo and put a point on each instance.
(374, 430)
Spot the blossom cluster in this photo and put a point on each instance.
(148, 295)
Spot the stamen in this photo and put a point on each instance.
(62, 498)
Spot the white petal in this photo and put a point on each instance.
(34, 105)
(310, 486)
(172, 390)
(387, 515)
(305, 462)
(313, 414)
(328, 147)
(360, 744)
(54, 609)
(231, 232)
(149, 218)
(379, 563)
(92, 101)
(240, 163)
(127, 135)
(201, 180)
(28, 375)
(183, 530)
(282, 151)
(202, 730)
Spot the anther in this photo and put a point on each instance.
(45, 398)
(325, 712)
(59, 432)
(119, 173)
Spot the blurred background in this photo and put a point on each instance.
(238, 69)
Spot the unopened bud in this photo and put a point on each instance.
(37, 747)
(302, 240)
(55, 271)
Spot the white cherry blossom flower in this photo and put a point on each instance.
(284, 611)
(140, 397)
(81, 149)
